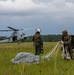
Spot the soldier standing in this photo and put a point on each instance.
(38, 42)
(66, 42)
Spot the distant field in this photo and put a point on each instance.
(56, 65)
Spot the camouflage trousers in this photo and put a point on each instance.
(37, 50)
(67, 52)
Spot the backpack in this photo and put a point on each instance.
(72, 40)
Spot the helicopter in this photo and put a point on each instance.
(15, 35)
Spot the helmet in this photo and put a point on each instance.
(64, 31)
(38, 30)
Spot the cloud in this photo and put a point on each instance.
(69, 1)
(37, 7)
(37, 12)
(42, 1)
(17, 5)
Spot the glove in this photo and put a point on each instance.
(61, 42)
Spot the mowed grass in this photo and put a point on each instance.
(56, 65)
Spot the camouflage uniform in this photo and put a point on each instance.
(38, 43)
(67, 42)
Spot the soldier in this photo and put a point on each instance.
(38, 43)
(66, 42)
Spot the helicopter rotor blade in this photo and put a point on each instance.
(13, 28)
(28, 28)
(5, 30)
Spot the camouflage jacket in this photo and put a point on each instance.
(66, 40)
(37, 39)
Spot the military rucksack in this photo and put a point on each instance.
(72, 40)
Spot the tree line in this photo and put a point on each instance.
(2, 37)
(46, 38)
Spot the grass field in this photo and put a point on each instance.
(56, 65)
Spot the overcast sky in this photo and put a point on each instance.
(51, 16)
